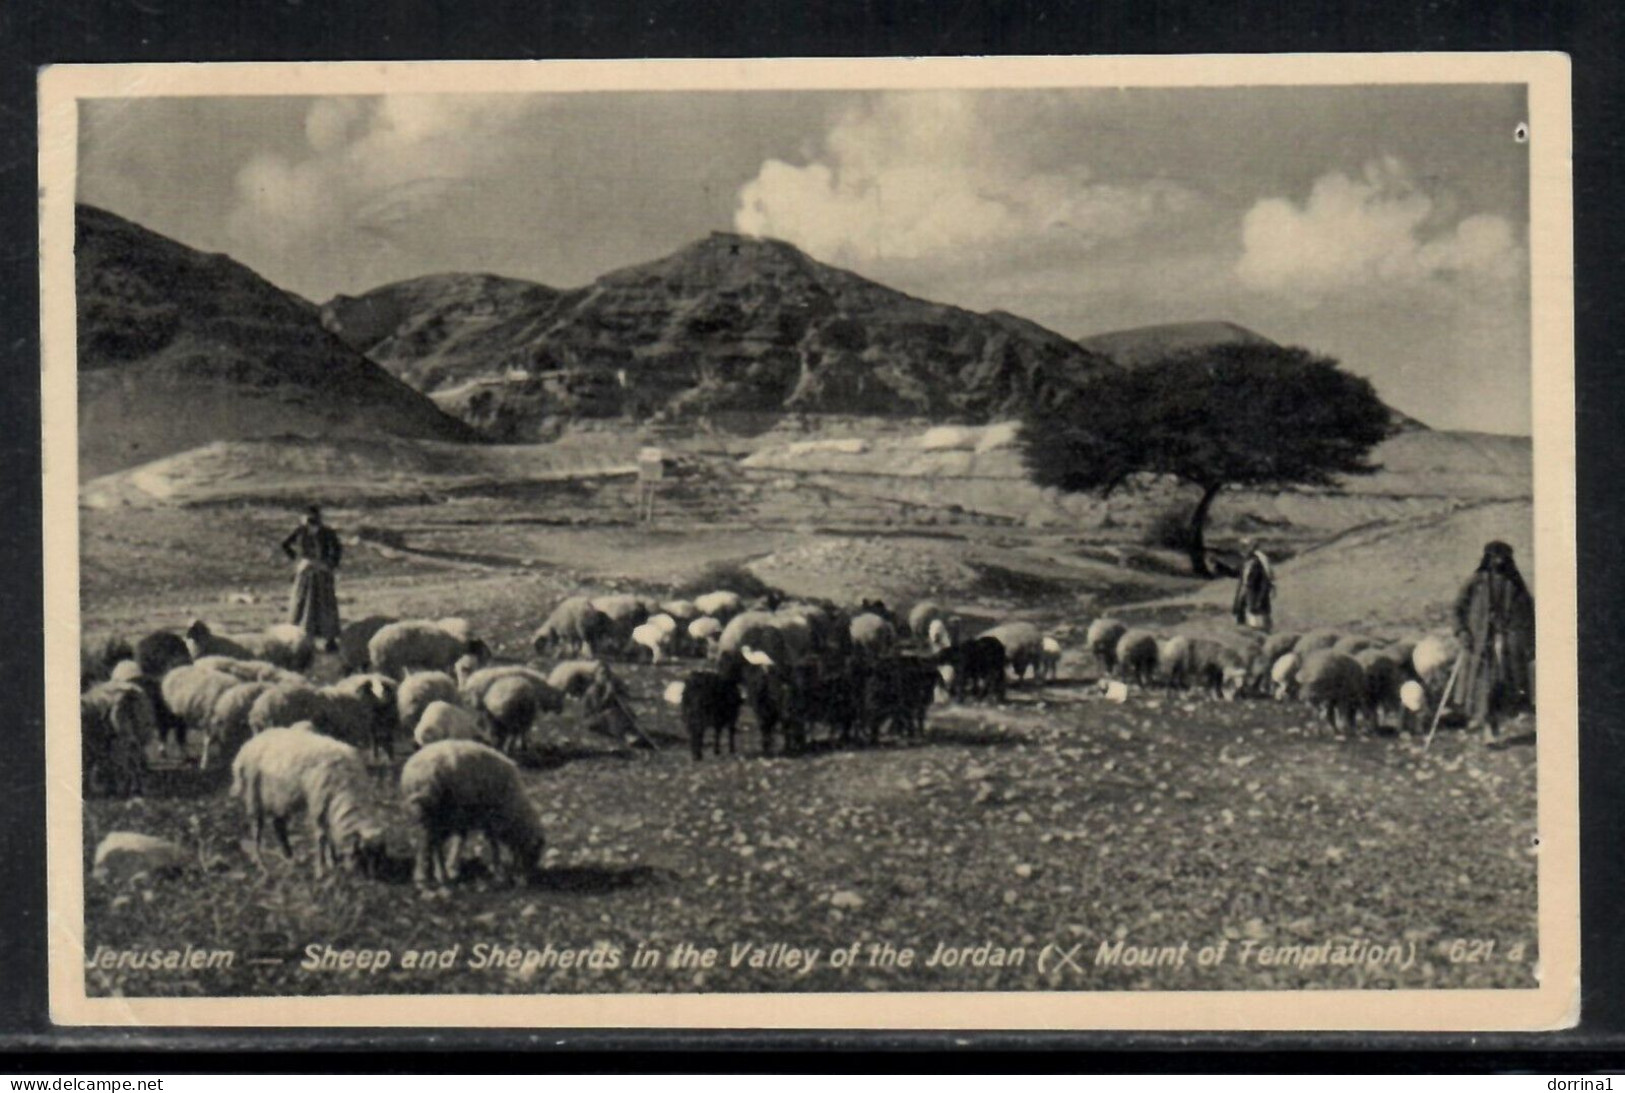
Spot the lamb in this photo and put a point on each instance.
(454, 787)
(1334, 683)
(721, 605)
(417, 645)
(872, 634)
(704, 632)
(354, 638)
(1382, 682)
(190, 694)
(1023, 645)
(1284, 676)
(756, 629)
(285, 771)
(443, 721)
(1102, 638)
(160, 651)
(921, 616)
(116, 723)
(1049, 659)
(1174, 661)
(655, 638)
(977, 669)
(576, 625)
(1316, 640)
(285, 645)
(1137, 656)
(711, 703)
(415, 694)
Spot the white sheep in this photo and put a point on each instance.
(705, 632)
(415, 693)
(417, 645)
(443, 721)
(455, 787)
(354, 638)
(1316, 640)
(1101, 638)
(720, 605)
(284, 645)
(1174, 662)
(625, 613)
(759, 630)
(1136, 656)
(190, 693)
(575, 625)
(938, 636)
(1432, 659)
(1284, 676)
(125, 671)
(572, 678)
(1023, 645)
(653, 637)
(474, 686)
(1049, 659)
(116, 723)
(285, 771)
(248, 670)
(872, 634)
(284, 705)
(229, 728)
(921, 616)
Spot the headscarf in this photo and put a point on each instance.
(1498, 559)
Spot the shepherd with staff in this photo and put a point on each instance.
(1495, 622)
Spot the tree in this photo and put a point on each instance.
(1260, 416)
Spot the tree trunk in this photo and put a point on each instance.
(1198, 546)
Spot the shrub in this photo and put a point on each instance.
(726, 577)
(1170, 529)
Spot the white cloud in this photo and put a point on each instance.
(376, 166)
(1378, 230)
(945, 175)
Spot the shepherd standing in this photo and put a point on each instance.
(314, 605)
(1495, 621)
(1255, 588)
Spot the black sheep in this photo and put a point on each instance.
(978, 668)
(769, 690)
(711, 701)
(823, 694)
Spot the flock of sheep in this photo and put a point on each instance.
(295, 747)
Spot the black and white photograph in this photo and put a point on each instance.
(1043, 534)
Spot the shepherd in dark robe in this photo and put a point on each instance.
(314, 605)
(1254, 589)
(1495, 622)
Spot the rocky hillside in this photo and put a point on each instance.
(178, 348)
(729, 323)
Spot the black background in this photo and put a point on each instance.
(37, 32)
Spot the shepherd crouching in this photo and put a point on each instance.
(314, 605)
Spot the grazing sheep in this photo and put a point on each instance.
(921, 616)
(508, 709)
(457, 627)
(415, 694)
(472, 691)
(1049, 659)
(975, 669)
(1382, 682)
(1174, 662)
(443, 721)
(1316, 640)
(872, 634)
(1284, 676)
(190, 694)
(1137, 656)
(826, 694)
(228, 727)
(825, 631)
(682, 611)
(1433, 659)
(1413, 700)
(1333, 683)
(711, 703)
(1353, 644)
(1400, 652)
(456, 787)
(116, 723)
(662, 621)
(361, 710)
(354, 639)
(769, 694)
(284, 645)
(756, 629)
(575, 626)
(625, 613)
(160, 651)
(572, 678)
(1218, 667)
(1102, 638)
(938, 636)
(655, 638)
(721, 605)
(1274, 647)
(417, 645)
(97, 660)
(1023, 645)
(285, 771)
(287, 704)
(704, 633)
(248, 670)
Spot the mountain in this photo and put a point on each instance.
(1141, 345)
(730, 322)
(178, 348)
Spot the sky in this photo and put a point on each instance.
(1385, 226)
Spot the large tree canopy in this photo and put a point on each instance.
(1262, 416)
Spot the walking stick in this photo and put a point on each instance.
(1448, 687)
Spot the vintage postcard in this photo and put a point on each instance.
(1029, 543)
